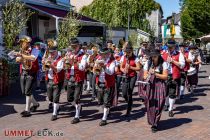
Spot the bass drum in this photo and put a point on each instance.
(191, 71)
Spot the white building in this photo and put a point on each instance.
(155, 21)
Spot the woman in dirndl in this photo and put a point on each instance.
(155, 74)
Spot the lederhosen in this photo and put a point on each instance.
(75, 82)
(54, 86)
(174, 79)
(106, 89)
(28, 78)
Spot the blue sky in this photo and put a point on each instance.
(169, 6)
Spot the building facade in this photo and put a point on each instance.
(155, 21)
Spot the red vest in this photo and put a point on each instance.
(57, 77)
(176, 71)
(131, 73)
(110, 79)
(78, 74)
(187, 65)
(34, 69)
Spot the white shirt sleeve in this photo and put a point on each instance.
(146, 66)
(60, 65)
(165, 66)
(190, 56)
(181, 61)
(82, 64)
(122, 59)
(137, 60)
(111, 69)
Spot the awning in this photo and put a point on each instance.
(61, 14)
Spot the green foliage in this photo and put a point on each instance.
(195, 18)
(68, 28)
(15, 17)
(115, 12)
(133, 37)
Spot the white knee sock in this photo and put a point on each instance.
(28, 103)
(171, 104)
(106, 112)
(182, 90)
(78, 107)
(55, 108)
(167, 101)
(34, 102)
(88, 85)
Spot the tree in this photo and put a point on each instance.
(195, 18)
(68, 29)
(115, 12)
(15, 17)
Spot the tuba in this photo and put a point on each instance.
(46, 60)
(27, 64)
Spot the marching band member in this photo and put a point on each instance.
(75, 77)
(55, 75)
(28, 70)
(105, 69)
(188, 60)
(118, 73)
(192, 76)
(129, 65)
(156, 72)
(91, 61)
(176, 62)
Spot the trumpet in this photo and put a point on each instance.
(67, 64)
(97, 69)
(27, 64)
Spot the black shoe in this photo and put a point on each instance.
(181, 97)
(165, 108)
(75, 120)
(154, 129)
(128, 113)
(93, 98)
(50, 107)
(26, 114)
(22, 112)
(58, 111)
(103, 123)
(170, 114)
(34, 107)
(54, 117)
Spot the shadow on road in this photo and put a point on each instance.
(172, 123)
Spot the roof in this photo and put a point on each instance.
(47, 3)
(58, 13)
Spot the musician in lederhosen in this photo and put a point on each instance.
(188, 60)
(104, 69)
(156, 74)
(55, 74)
(129, 65)
(192, 75)
(176, 62)
(29, 67)
(75, 77)
(90, 63)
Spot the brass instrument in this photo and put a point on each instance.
(27, 64)
(46, 60)
(98, 68)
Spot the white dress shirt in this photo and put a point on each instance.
(181, 62)
(108, 70)
(59, 67)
